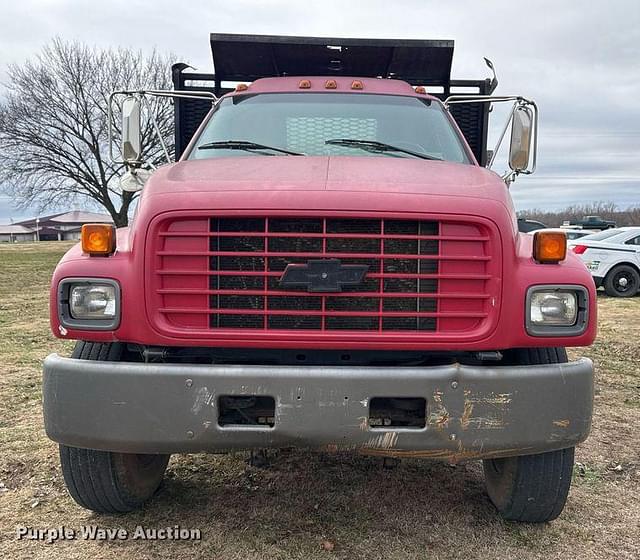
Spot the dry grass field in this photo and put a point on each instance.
(310, 505)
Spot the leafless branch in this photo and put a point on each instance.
(54, 124)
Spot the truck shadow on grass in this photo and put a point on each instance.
(349, 500)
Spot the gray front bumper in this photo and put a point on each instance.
(472, 412)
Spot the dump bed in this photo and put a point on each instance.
(245, 58)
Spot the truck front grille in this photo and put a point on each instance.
(223, 273)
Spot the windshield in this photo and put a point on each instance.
(602, 235)
(620, 237)
(575, 234)
(321, 124)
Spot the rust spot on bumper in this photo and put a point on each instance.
(450, 455)
(383, 441)
(466, 414)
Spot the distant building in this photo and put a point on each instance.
(55, 227)
(15, 234)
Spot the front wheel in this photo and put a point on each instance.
(108, 482)
(622, 281)
(531, 488)
(105, 481)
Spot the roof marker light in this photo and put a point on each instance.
(421, 90)
(331, 84)
(242, 87)
(305, 84)
(357, 84)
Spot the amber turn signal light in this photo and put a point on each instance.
(98, 239)
(549, 246)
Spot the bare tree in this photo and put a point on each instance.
(54, 124)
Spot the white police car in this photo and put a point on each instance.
(613, 257)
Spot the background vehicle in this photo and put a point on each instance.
(595, 222)
(328, 266)
(614, 261)
(528, 226)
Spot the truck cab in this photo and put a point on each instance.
(328, 265)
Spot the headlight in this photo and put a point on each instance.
(93, 301)
(89, 303)
(556, 310)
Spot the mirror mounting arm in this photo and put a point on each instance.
(142, 95)
(519, 103)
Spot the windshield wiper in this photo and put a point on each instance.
(376, 147)
(244, 145)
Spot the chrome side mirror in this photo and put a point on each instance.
(131, 147)
(131, 108)
(523, 120)
(521, 139)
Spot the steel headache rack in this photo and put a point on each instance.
(246, 58)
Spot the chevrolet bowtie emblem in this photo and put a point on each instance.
(328, 275)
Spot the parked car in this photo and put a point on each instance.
(528, 226)
(614, 260)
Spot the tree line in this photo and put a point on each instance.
(629, 216)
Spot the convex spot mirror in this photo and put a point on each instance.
(521, 139)
(131, 141)
(134, 180)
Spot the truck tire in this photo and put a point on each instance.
(531, 488)
(106, 481)
(622, 281)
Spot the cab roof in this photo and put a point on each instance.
(330, 84)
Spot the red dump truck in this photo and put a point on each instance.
(328, 265)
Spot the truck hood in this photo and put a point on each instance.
(355, 174)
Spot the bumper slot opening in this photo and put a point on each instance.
(246, 410)
(397, 412)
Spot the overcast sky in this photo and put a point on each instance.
(579, 59)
